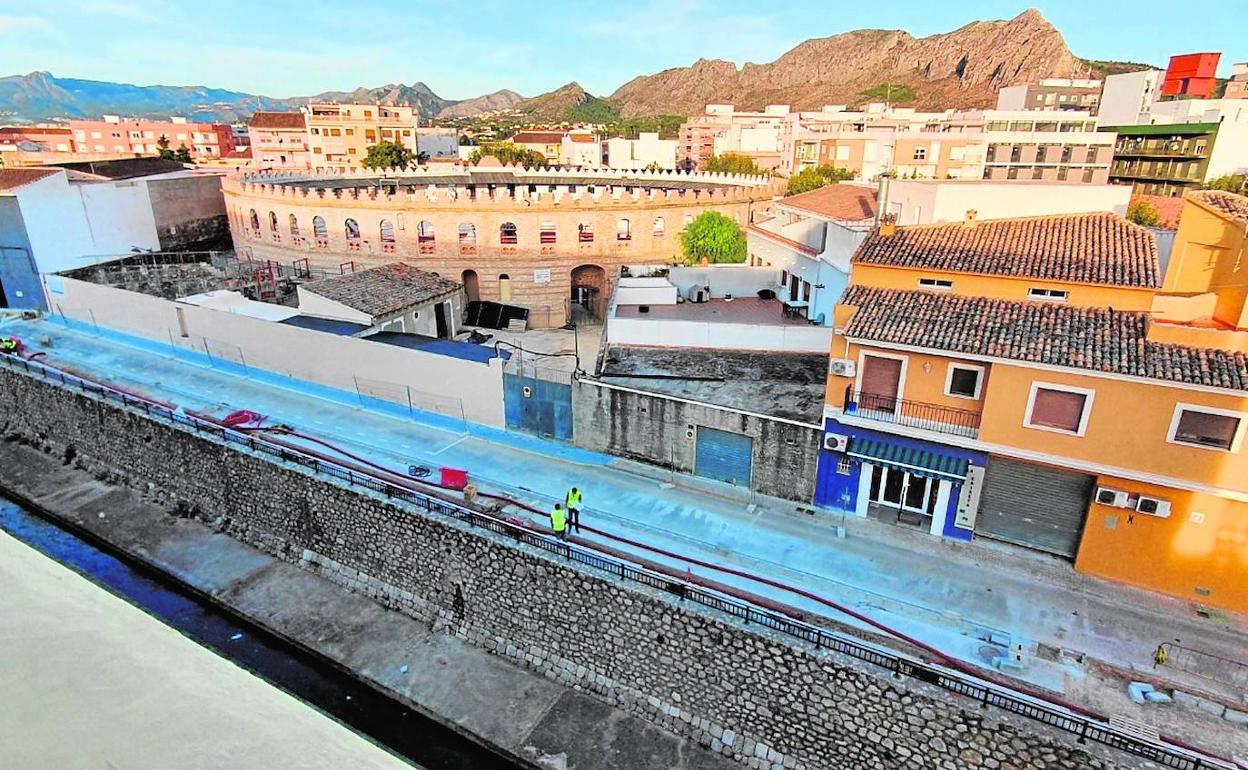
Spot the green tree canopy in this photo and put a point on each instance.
(715, 238)
(162, 144)
(1229, 183)
(733, 163)
(389, 155)
(507, 153)
(813, 178)
(1144, 213)
(183, 155)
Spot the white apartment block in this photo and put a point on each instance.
(645, 151)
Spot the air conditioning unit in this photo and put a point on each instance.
(841, 367)
(1112, 497)
(835, 442)
(1152, 506)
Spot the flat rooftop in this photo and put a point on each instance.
(741, 310)
(786, 385)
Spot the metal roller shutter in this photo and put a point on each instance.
(723, 456)
(1034, 505)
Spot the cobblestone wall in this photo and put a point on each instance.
(768, 701)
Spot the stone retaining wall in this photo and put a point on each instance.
(766, 700)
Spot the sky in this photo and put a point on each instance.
(285, 48)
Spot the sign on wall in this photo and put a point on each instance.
(968, 498)
(541, 275)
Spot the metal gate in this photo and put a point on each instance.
(538, 406)
(723, 456)
(1034, 505)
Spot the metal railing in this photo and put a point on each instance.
(1084, 727)
(911, 414)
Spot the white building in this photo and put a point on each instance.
(645, 151)
(925, 201)
(1128, 98)
(581, 149)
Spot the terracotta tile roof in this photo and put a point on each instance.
(293, 120)
(583, 138)
(13, 178)
(1169, 207)
(383, 290)
(1096, 339)
(1228, 204)
(845, 202)
(1084, 248)
(538, 137)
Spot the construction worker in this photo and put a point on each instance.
(10, 346)
(573, 501)
(559, 522)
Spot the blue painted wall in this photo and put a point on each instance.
(839, 492)
(546, 411)
(18, 276)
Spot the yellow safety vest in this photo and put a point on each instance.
(573, 499)
(558, 519)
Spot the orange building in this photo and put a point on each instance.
(1016, 380)
(1191, 74)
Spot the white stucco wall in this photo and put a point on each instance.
(323, 307)
(439, 383)
(1230, 149)
(722, 336)
(916, 202)
(645, 291)
(1127, 98)
(737, 280)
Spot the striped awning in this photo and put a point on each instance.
(917, 461)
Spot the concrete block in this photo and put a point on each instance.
(1157, 697)
(1137, 690)
(1211, 707)
(1236, 717)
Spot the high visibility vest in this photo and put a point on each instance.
(558, 519)
(573, 499)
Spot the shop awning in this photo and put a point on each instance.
(917, 461)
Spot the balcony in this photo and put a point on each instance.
(911, 414)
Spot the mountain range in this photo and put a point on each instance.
(959, 69)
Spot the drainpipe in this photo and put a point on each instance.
(881, 198)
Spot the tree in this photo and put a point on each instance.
(163, 145)
(813, 178)
(183, 155)
(1229, 183)
(653, 166)
(388, 155)
(508, 153)
(893, 93)
(1144, 213)
(733, 163)
(714, 237)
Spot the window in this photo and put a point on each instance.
(1048, 295)
(273, 221)
(547, 233)
(964, 381)
(920, 153)
(936, 284)
(1058, 408)
(386, 231)
(1087, 175)
(319, 229)
(659, 227)
(507, 234)
(467, 234)
(844, 466)
(585, 232)
(294, 226)
(1206, 427)
(352, 229)
(623, 230)
(254, 220)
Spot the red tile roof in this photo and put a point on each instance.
(538, 137)
(1096, 339)
(845, 202)
(13, 178)
(1227, 204)
(292, 120)
(583, 138)
(1169, 207)
(383, 290)
(1084, 248)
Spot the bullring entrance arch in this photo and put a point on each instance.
(472, 285)
(589, 290)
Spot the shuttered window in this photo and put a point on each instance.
(1060, 409)
(1205, 429)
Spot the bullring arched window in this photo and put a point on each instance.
(254, 220)
(507, 234)
(352, 229)
(660, 227)
(548, 234)
(318, 227)
(623, 230)
(585, 232)
(273, 222)
(387, 231)
(467, 234)
(294, 226)
(424, 231)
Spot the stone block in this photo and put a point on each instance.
(1235, 717)
(1136, 691)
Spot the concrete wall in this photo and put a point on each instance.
(189, 213)
(652, 428)
(737, 280)
(439, 384)
(762, 698)
(668, 333)
(921, 202)
(645, 291)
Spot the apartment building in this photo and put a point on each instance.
(1027, 381)
(1052, 94)
(548, 144)
(1237, 86)
(279, 140)
(581, 149)
(723, 129)
(339, 135)
(1180, 145)
(117, 136)
(1191, 75)
(646, 151)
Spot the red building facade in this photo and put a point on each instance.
(1191, 74)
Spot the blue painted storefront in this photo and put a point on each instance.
(840, 491)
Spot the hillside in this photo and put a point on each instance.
(569, 103)
(959, 69)
(495, 102)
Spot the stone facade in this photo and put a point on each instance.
(763, 699)
(189, 213)
(423, 227)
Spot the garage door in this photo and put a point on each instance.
(1034, 505)
(723, 456)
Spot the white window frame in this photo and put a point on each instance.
(1083, 418)
(901, 376)
(979, 380)
(1236, 441)
(920, 153)
(1040, 294)
(936, 284)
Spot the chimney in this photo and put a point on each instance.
(881, 198)
(888, 225)
(971, 215)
